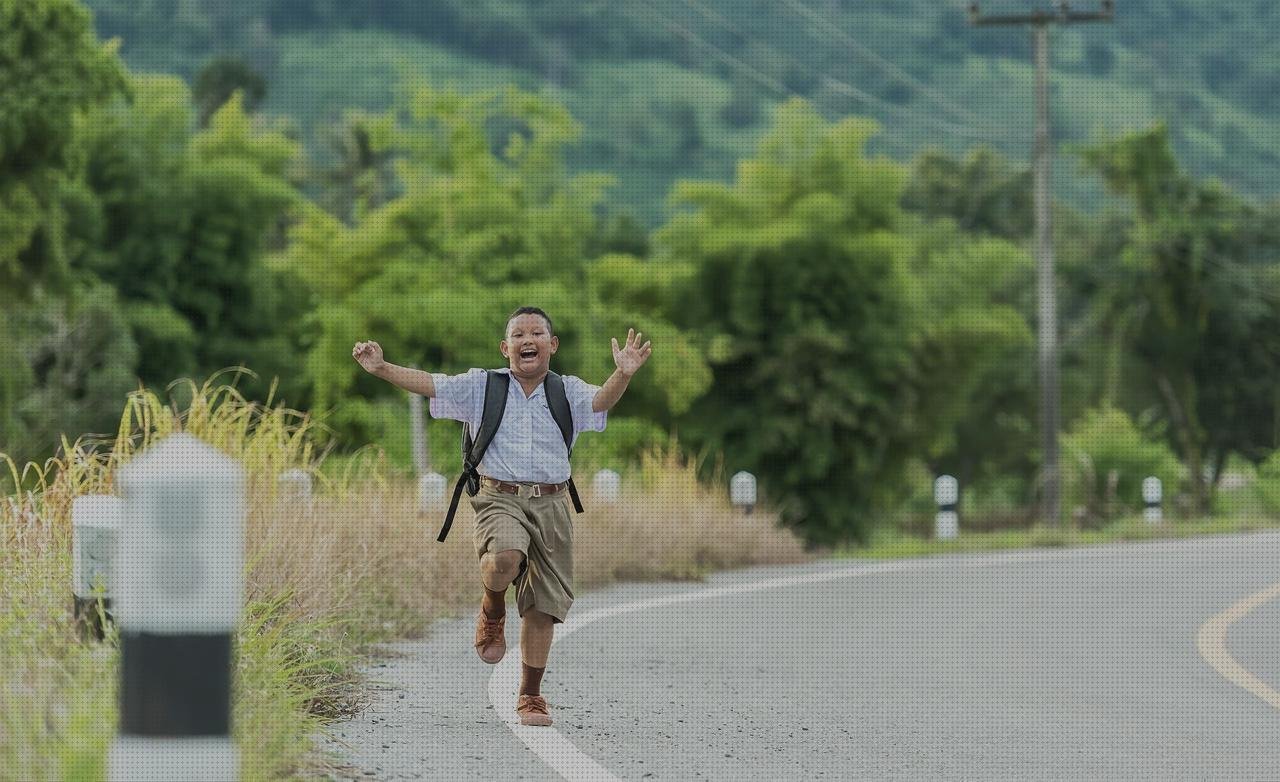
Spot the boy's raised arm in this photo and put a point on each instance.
(369, 356)
(628, 359)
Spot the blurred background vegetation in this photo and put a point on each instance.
(819, 211)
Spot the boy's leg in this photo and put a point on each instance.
(501, 542)
(497, 571)
(536, 632)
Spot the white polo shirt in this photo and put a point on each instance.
(528, 445)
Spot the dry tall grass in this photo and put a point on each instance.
(356, 563)
(370, 550)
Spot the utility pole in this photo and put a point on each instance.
(1047, 329)
(418, 435)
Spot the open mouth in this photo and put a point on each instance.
(528, 354)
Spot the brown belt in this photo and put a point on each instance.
(535, 489)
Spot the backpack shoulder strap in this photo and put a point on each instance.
(558, 401)
(495, 404)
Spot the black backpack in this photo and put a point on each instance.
(495, 403)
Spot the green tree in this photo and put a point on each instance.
(1107, 456)
(976, 350)
(78, 357)
(1200, 270)
(358, 178)
(802, 298)
(51, 70)
(982, 193)
(974, 355)
(221, 78)
(486, 220)
(179, 226)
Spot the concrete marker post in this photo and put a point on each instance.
(180, 580)
(95, 524)
(946, 493)
(418, 435)
(433, 492)
(295, 486)
(607, 487)
(742, 491)
(1152, 494)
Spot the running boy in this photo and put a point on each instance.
(524, 523)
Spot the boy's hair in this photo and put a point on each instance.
(529, 311)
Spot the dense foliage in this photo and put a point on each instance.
(842, 322)
(666, 88)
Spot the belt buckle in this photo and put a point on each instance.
(524, 490)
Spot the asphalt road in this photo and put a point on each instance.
(1078, 664)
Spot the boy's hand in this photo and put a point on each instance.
(632, 355)
(369, 354)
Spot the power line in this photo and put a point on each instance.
(889, 67)
(839, 85)
(763, 79)
(830, 82)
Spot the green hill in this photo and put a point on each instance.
(675, 89)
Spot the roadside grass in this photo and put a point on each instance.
(1131, 528)
(327, 579)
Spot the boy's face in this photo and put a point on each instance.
(529, 346)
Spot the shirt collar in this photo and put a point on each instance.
(515, 385)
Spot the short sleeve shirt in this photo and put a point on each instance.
(528, 445)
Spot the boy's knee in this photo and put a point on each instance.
(509, 561)
(506, 563)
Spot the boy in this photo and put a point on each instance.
(524, 525)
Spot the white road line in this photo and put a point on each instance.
(569, 762)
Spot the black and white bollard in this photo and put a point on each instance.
(179, 577)
(95, 523)
(946, 493)
(607, 487)
(1152, 494)
(433, 492)
(742, 491)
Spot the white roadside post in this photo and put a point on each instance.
(95, 523)
(607, 487)
(180, 582)
(295, 486)
(1152, 493)
(742, 491)
(433, 492)
(433, 489)
(417, 435)
(946, 493)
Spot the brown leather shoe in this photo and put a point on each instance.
(533, 710)
(491, 640)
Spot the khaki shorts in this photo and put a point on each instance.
(541, 528)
